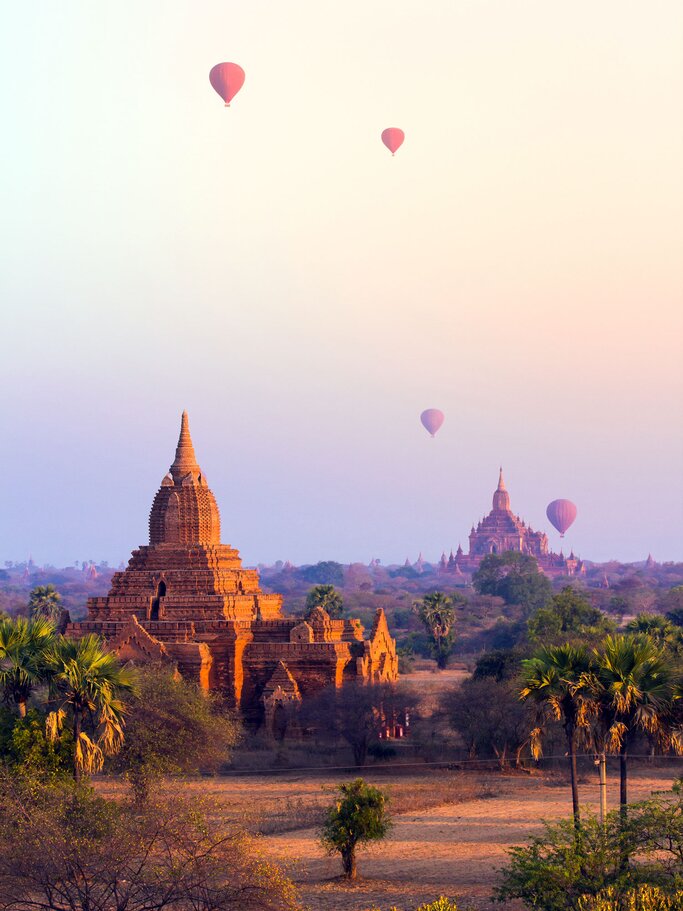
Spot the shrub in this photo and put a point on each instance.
(644, 898)
(360, 816)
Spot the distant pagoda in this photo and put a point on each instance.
(186, 600)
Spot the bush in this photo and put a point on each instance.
(563, 867)
(644, 898)
(172, 728)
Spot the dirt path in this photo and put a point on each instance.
(452, 849)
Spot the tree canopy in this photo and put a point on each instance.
(514, 577)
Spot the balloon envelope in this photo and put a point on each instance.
(432, 419)
(562, 514)
(393, 138)
(227, 79)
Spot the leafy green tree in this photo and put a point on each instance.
(556, 680)
(24, 644)
(45, 601)
(172, 728)
(568, 615)
(25, 747)
(327, 572)
(500, 664)
(514, 577)
(328, 598)
(660, 629)
(437, 613)
(561, 870)
(357, 818)
(633, 685)
(87, 682)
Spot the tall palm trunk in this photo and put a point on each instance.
(21, 705)
(570, 731)
(78, 727)
(623, 778)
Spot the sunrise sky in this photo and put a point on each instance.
(304, 296)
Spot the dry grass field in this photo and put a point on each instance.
(450, 836)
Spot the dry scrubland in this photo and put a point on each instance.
(451, 831)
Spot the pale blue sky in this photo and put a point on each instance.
(273, 270)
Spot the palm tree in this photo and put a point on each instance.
(437, 613)
(556, 679)
(23, 647)
(328, 598)
(634, 687)
(45, 601)
(87, 682)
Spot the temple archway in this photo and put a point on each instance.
(156, 601)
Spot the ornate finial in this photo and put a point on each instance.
(501, 482)
(185, 461)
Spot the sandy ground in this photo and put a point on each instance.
(453, 849)
(451, 828)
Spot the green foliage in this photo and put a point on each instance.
(24, 645)
(437, 613)
(500, 664)
(441, 904)
(514, 577)
(642, 898)
(561, 868)
(326, 597)
(327, 572)
(24, 745)
(46, 602)
(172, 728)
(568, 616)
(87, 682)
(556, 679)
(358, 817)
(633, 686)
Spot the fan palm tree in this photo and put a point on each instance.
(45, 601)
(437, 613)
(328, 598)
(23, 647)
(87, 682)
(556, 679)
(634, 686)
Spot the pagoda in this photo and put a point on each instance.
(186, 600)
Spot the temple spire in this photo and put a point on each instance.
(501, 498)
(501, 482)
(185, 461)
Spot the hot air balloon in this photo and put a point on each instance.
(227, 79)
(393, 138)
(432, 419)
(562, 514)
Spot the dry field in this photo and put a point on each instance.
(451, 830)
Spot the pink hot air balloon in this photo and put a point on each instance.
(227, 79)
(393, 138)
(432, 419)
(562, 514)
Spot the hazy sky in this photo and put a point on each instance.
(305, 296)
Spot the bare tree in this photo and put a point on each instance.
(79, 852)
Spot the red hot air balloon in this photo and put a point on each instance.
(432, 419)
(393, 138)
(227, 79)
(562, 514)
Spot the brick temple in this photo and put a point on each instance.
(186, 600)
(501, 530)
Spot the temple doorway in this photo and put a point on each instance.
(156, 601)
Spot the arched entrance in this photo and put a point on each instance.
(156, 601)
